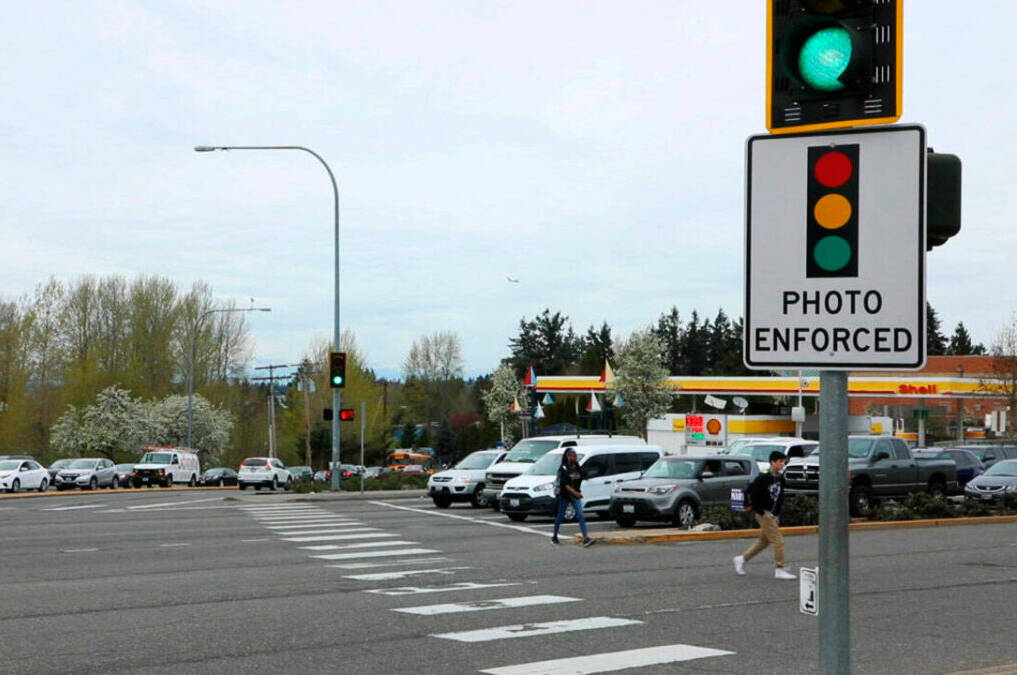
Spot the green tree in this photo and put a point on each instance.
(671, 333)
(936, 343)
(641, 380)
(961, 344)
(548, 342)
(695, 346)
(505, 389)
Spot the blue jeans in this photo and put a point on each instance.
(563, 503)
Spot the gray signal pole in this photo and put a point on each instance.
(834, 599)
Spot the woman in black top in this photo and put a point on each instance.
(566, 486)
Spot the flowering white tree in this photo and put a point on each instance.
(641, 380)
(505, 389)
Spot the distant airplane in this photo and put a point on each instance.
(512, 280)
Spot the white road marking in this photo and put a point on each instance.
(518, 528)
(189, 501)
(461, 586)
(375, 554)
(340, 537)
(533, 629)
(388, 576)
(608, 661)
(483, 605)
(369, 565)
(301, 518)
(71, 508)
(292, 514)
(172, 545)
(286, 512)
(80, 550)
(317, 520)
(247, 541)
(369, 544)
(309, 527)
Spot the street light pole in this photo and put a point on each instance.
(335, 331)
(190, 367)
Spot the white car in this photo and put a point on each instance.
(262, 472)
(465, 481)
(23, 474)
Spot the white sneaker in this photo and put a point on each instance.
(781, 573)
(739, 563)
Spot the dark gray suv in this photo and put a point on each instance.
(675, 488)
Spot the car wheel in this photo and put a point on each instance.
(478, 500)
(442, 502)
(685, 513)
(241, 486)
(168, 482)
(518, 517)
(860, 500)
(275, 484)
(44, 485)
(937, 488)
(93, 484)
(15, 486)
(192, 482)
(115, 485)
(625, 521)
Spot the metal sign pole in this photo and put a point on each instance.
(834, 600)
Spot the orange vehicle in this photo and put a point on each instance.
(402, 458)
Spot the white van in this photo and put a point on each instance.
(526, 452)
(603, 466)
(165, 466)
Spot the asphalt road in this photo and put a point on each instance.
(231, 582)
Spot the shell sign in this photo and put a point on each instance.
(705, 429)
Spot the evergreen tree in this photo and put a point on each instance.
(443, 441)
(935, 340)
(548, 342)
(695, 346)
(671, 335)
(961, 344)
(599, 348)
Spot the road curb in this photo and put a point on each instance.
(663, 536)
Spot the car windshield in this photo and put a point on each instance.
(548, 464)
(82, 464)
(10, 464)
(857, 448)
(61, 463)
(255, 461)
(761, 453)
(530, 450)
(477, 460)
(1008, 468)
(673, 468)
(157, 458)
(736, 447)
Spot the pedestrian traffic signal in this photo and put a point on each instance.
(832, 212)
(337, 369)
(832, 63)
(346, 414)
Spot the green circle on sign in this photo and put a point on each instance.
(824, 58)
(832, 253)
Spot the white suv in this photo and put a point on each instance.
(262, 472)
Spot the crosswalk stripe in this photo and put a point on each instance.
(340, 537)
(327, 530)
(276, 507)
(295, 518)
(72, 508)
(387, 576)
(482, 605)
(299, 514)
(389, 563)
(461, 586)
(534, 629)
(602, 663)
(307, 526)
(368, 544)
(374, 554)
(317, 520)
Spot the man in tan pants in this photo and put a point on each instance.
(765, 497)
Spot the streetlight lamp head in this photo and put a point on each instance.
(203, 148)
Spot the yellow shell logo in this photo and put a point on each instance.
(713, 427)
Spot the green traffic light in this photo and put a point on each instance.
(337, 380)
(832, 253)
(824, 58)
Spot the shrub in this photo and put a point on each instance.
(926, 506)
(306, 485)
(891, 510)
(975, 507)
(1007, 504)
(726, 519)
(799, 510)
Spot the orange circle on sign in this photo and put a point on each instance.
(713, 426)
(832, 211)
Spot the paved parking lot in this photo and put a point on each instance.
(231, 582)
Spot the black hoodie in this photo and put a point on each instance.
(567, 475)
(766, 493)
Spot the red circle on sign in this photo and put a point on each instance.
(833, 169)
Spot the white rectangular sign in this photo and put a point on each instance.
(835, 250)
(808, 590)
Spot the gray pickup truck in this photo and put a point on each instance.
(878, 467)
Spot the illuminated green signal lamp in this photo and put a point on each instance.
(337, 370)
(832, 63)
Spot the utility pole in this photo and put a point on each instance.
(272, 377)
(306, 370)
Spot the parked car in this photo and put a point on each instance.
(968, 465)
(521, 458)
(125, 475)
(465, 481)
(413, 468)
(998, 479)
(88, 473)
(375, 471)
(990, 454)
(219, 476)
(55, 467)
(166, 466)
(602, 465)
(322, 476)
(262, 472)
(675, 489)
(793, 448)
(300, 472)
(350, 470)
(735, 446)
(23, 474)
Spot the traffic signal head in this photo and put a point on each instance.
(347, 414)
(832, 63)
(943, 198)
(831, 230)
(337, 370)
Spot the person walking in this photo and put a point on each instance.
(566, 487)
(765, 497)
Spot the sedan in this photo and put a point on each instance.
(219, 476)
(998, 480)
(16, 474)
(55, 467)
(124, 474)
(300, 472)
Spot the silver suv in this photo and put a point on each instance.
(675, 488)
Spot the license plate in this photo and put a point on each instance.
(628, 508)
(513, 502)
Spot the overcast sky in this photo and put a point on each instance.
(592, 150)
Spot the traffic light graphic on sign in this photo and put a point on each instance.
(337, 370)
(832, 212)
(832, 63)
